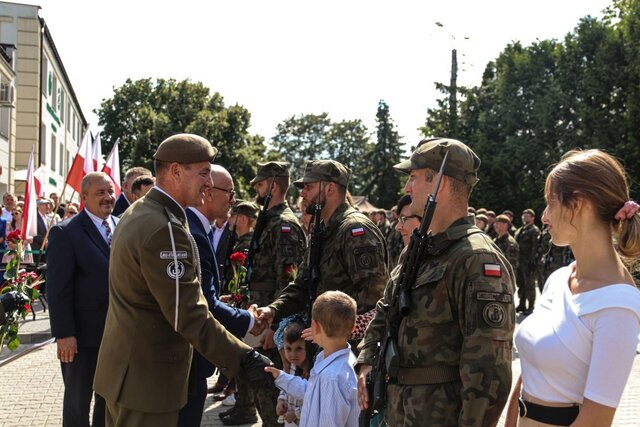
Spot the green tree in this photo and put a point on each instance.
(142, 113)
(384, 183)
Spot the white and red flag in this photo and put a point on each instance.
(39, 180)
(97, 153)
(112, 168)
(82, 163)
(30, 217)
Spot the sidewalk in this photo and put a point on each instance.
(32, 389)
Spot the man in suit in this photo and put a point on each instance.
(126, 197)
(78, 295)
(42, 224)
(217, 202)
(157, 310)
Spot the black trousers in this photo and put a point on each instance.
(191, 414)
(78, 390)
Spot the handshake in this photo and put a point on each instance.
(262, 316)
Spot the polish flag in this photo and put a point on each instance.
(112, 168)
(30, 219)
(97, 153)
(82, 163)
(39, 180)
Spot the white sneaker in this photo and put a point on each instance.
(229, 400)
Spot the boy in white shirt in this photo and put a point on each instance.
(330, 396)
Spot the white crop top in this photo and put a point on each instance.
(579, 346)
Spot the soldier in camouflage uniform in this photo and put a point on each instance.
(281, 248)
(354, 252)
(551, 257)
(505, 242)
(243, 216)
(394, 240)
(527, 238)
(455, 344)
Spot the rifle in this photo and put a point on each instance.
(254, 246)
(224, 288)
(315, 253)
(387, 363)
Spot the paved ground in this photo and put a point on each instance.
(31, 391)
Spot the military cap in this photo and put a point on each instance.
(269, 170)
(508, 213)
(529, 211)
(462, 162)
(246, 208)
(503, 218)
(185, 148)
(324, 170)
(490, 213)
(482, 217)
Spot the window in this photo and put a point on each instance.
(53, 152)
(54, 94)
(43, 144)
(44, 76)
(62, 110)
(5, 121)
(61, 168)
(68, 115)
(74, 127)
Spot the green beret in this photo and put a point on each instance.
(462, 162)
(185, 148)
(269, 170)
(324, 170)
(246, 208)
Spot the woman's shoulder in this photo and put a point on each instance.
(624, 296)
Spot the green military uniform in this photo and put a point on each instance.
(395, 244)
(527, 238)
(354, 253)
(157, 312)
(243, 243)
(509, 248)
(455, 344)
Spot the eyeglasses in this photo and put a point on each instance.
(230, 192)
(72, 212)
(402, 219)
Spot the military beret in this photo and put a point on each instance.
(325, 170)
(246, 208)
(185, 148)
(269, 170)
(462, 162)
(529, 211)
(503, 218)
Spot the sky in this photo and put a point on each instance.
(285, 58)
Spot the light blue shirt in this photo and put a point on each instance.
(97, 221)
(330, 396)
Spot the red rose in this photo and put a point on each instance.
(27, 307)
(238, 257)
(14, 236)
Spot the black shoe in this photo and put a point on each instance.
(528, 311)
(227, 412)
(237, 418)
(520, 308)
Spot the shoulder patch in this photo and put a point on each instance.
(169, 254)
(494, 314)
(358, 231)
(285, 229)
(492, 270)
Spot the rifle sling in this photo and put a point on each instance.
(432, 375)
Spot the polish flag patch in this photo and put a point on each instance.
(357, 231)
(493, 270)
(285, 229)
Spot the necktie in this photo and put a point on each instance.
(107, 229)
(215, 258)
(210, 235)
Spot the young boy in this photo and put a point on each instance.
(295, 352)
(330, 396)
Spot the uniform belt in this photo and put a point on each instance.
(263, 286)
(431, 375)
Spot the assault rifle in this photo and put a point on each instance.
(315, 253)
(254, 246)
(387, 363)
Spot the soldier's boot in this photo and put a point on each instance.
(237, 418)
(244, 405)
(267, 399)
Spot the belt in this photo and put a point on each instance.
(262, 286)
(431, 375)
(560, 416)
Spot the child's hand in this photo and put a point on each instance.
(281, 407)
(273, 371)
(306, 335)
(290, 417)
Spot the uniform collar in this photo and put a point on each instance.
(458, 229)
(160, 196)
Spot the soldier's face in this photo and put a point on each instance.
(420, 184)
(311, 195)
(195, 181)
(100, 199)
(261, 188)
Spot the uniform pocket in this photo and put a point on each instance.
(430, 299)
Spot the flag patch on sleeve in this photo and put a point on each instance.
(285, 229)
(357, 231)
(492, 270)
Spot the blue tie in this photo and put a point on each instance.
(215, 258)
(210, 235)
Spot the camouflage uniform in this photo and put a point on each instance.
(509, 248)
(395, 244)
(243, 242)
(552, 257)
(527, 238)
(460, 328)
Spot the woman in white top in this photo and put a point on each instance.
(577, 348)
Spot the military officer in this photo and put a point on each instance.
(527, 238)
(281, 248)
(505, 242)
(157, 311)
(455, 344)
(354, 253)
(394, 239)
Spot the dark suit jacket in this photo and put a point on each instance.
(234, 320)
(78, 280)
(223, 244)
(39, 238)
(121, 205)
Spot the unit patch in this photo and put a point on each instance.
(494, 314)
(365, 257)
(169, 254)
(172, 271)
(494, 296)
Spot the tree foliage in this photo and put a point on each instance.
(142, 113)
(537, 102)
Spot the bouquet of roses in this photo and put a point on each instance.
(239, 292)
(24, 284)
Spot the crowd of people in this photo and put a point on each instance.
(146, 297)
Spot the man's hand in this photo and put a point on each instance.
(363, 395)
(281, 407)
(225, 298)
(267, 340)
(273, 371)
(252, 368)
(266, 314)
(258, 325)
(67, 349)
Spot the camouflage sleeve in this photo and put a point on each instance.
(290, 246)
(294, 298)
(486, 319)
(512, 255)
(365, 260)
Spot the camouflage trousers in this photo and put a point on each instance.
(436, 405)
(526, 281)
